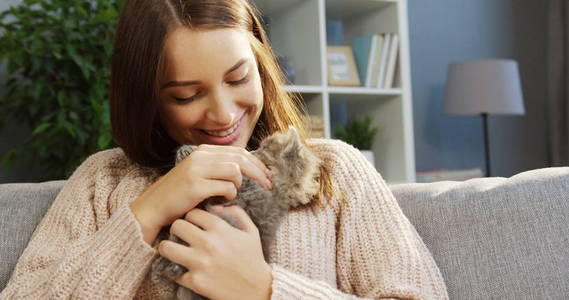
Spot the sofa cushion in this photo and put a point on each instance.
(496, 238)
(22, 206)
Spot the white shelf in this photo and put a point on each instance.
(307, 89)
(271, 7)
(315, 89)
(298, 31)
(347, 9)
(364, 91)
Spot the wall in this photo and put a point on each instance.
(446, 31)
(441, 32)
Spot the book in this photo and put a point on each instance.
(392, 59)
(362, 48)
(383, 60)
(316, 126)
(397, 74)
(334, 33)
(376, 61)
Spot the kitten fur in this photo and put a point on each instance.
(293, 171)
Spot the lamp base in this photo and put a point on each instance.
(486, 144)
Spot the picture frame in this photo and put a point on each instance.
(341, 66)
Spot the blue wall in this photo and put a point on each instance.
(445, 31)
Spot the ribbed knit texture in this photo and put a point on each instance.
(90, 246)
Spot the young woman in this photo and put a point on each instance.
(202, 72)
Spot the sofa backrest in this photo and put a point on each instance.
(22, 206)
(496, 238)
(492, 238)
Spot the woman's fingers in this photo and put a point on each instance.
(246, 166)
(188, 232)
(178, 253)
(236, 150)
(203, 219)
(235, 212)
(229, 171)
(212, 187)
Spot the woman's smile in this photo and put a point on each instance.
(224, 136)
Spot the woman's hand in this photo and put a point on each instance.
(209, 170)
(223, 262)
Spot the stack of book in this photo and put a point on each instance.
(444, 175)
(316, 126)
(376, 58)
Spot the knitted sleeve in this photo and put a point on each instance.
(379, 253)
(79, 250)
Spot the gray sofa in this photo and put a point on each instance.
(492, 238)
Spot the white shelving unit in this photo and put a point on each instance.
(298, 31)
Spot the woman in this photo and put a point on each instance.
(202, 72)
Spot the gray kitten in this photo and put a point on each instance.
(293, 170)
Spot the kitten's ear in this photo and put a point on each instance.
(293, 133)
(292, 148)
(183, 152)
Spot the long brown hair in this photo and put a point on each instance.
(137, 65)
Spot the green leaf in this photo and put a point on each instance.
(41, 128)
(57, 53)
(38, 88)
(82, 136)
(69, 128)
(81, 10)
(9, 159)
(104, 140)
(106, 16)
(61, 99)
(73, 116)
(78, 60)
(358, 132)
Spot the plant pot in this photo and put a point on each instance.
(369, 156)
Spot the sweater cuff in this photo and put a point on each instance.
(122, 245)
(289, 285)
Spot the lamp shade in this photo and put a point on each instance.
(484, 86)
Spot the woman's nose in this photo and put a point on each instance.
(221, 108)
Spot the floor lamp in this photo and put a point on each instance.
(484, 87)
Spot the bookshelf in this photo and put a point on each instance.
(298, 31)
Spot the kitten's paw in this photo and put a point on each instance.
(163, 267)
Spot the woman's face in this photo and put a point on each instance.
(211, 88)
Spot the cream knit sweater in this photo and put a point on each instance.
(90, 246)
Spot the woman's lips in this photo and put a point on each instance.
(224, 140)
(226, 131)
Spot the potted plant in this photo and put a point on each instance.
(56, 54)
(360, 133)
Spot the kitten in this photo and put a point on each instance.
(293, 171)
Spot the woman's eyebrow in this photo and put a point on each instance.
(193, 82)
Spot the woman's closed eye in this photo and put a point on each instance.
(232, 83)
(243, 80)
(184, 100)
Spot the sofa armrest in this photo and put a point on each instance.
(22, 206)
